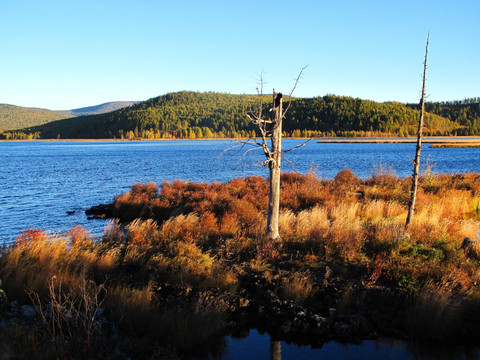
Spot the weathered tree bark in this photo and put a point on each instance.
(274, 164)
(416, 164)
(272, 128)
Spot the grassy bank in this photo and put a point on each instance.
(472, 144)
(342, 240)
(436, 141)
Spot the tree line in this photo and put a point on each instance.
(465, 112)
(17, 117)
(193, 115)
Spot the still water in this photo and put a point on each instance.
(48, 185)
(261, 347)
(41, 182)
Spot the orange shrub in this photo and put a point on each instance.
(142, 232)
(29, 236)
(180, 228)
(230, 225)
(246, 212)
(345, 177)
(79, 237)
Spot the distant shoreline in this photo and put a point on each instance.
(436, 141)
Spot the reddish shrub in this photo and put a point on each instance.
(230, 226)
(345, 177)
(79, 236)
(30, 236)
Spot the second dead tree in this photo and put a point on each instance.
(416, 165)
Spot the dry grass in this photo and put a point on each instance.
(313, 223)
(458, 145)
(435, 313)
(134, 309)
(298, 287)
(211, 235)
(36, 257)
(346, 219)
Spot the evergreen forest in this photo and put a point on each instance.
(195, 115)
(17, 117)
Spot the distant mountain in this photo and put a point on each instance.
(102, 108)
(190, 115)
(17, 117)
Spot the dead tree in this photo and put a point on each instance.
(416, 163)
(271, 128)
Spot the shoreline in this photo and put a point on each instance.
(457, 140)
(430, 140)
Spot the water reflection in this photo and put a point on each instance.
(275, 349)
(262, 346)
(438, 352)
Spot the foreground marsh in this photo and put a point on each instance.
(194, 259)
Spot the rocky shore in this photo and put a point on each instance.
(382, 312)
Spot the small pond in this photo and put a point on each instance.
(256, 345)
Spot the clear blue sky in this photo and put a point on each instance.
(67, 54)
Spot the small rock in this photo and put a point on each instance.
(286, 327)
(4, 304)
(28, 311)
(101, 211)
(243, 302)
(332, 312)
(318, 321)
(468, 242)
(470, 247)
(341, 329)
(270, 296)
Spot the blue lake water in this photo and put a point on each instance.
(41, 181)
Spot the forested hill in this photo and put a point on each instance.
(208, 115)
(464, 112)
(16, 117)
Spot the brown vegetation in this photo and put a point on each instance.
(204, 236)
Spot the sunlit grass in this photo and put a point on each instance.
(199, 236)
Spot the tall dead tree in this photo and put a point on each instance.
(271, 128)
(274, 156)
(416, 163)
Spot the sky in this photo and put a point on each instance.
(68, 54)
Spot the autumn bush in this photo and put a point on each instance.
(346, 219)
(200, 235)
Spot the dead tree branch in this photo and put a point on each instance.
(297, 80)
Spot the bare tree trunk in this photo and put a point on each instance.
(274, 167)
(416, 165)
(272, 128)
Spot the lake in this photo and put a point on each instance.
(49, 185)
(41, 181)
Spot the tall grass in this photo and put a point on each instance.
(212, 235)
(435, 313)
